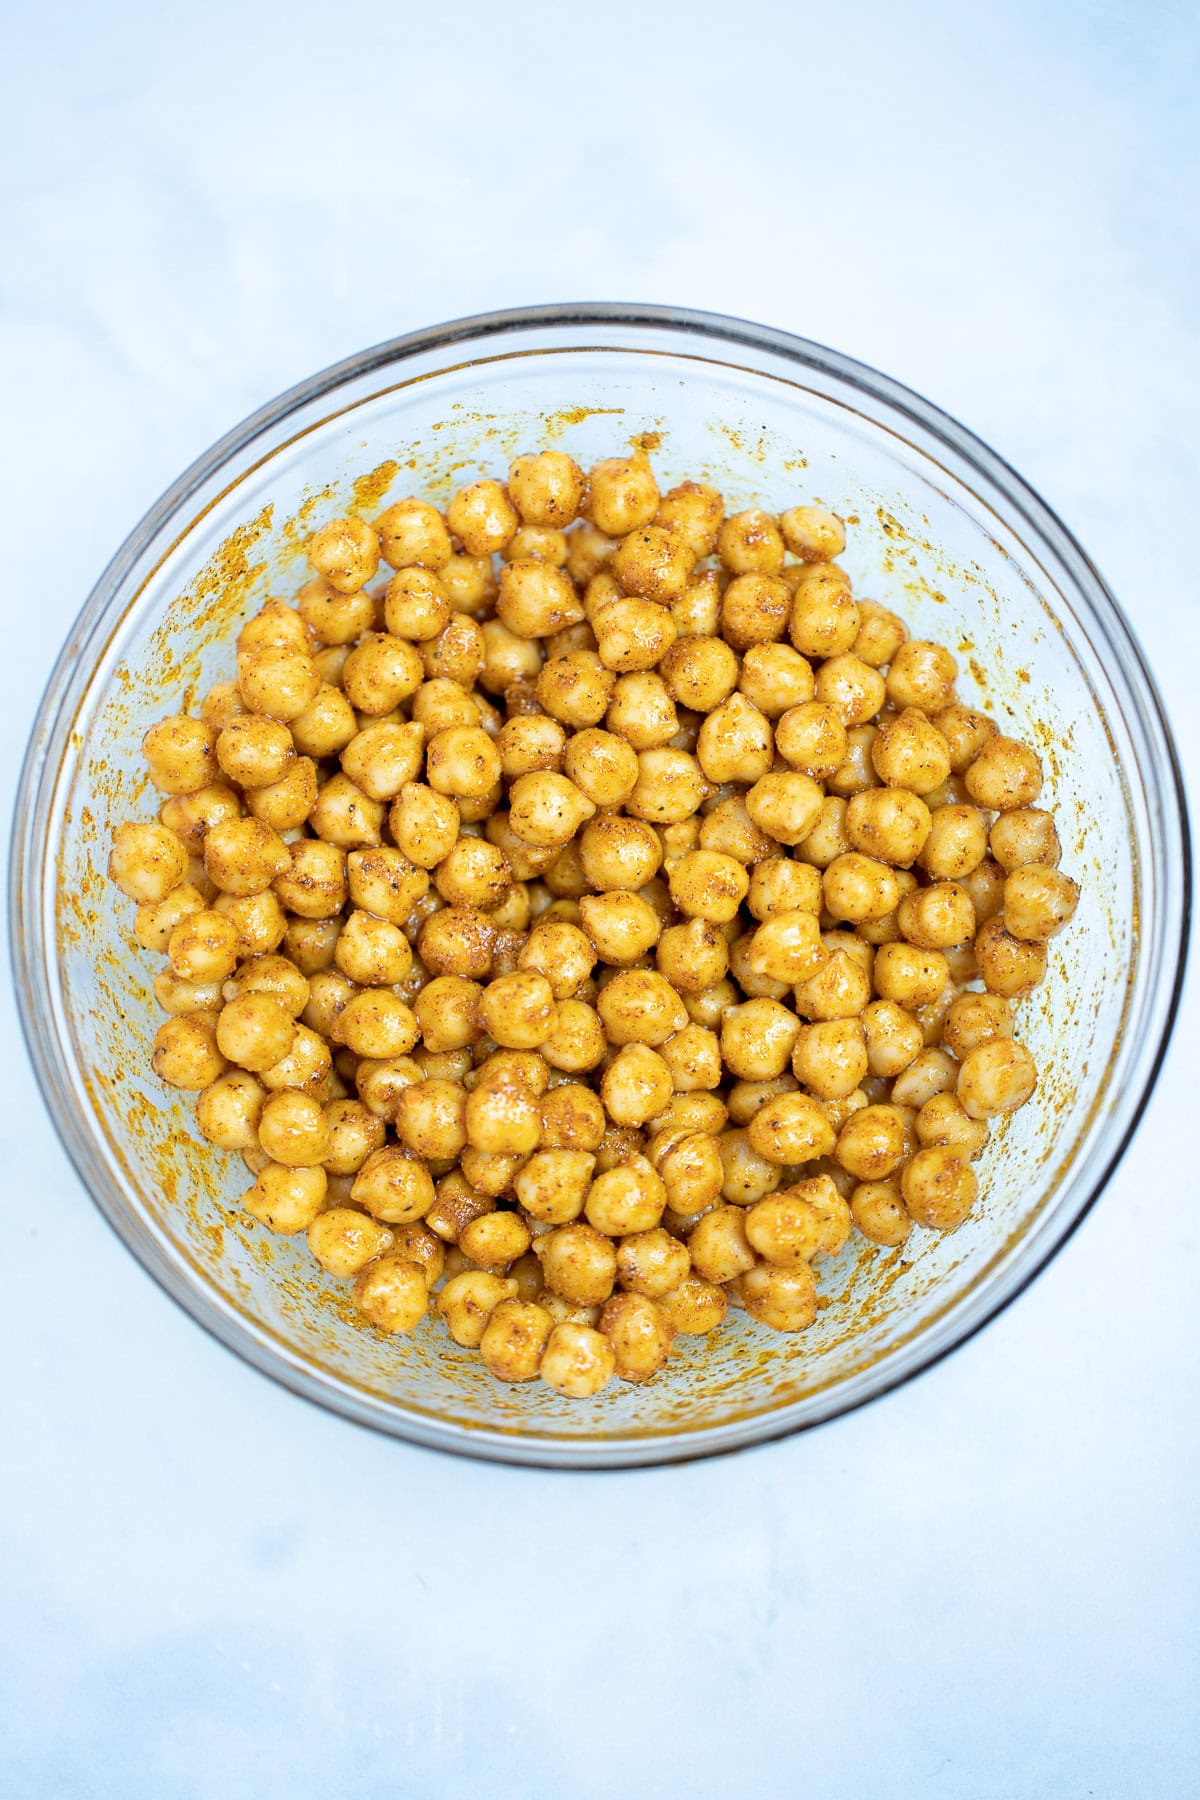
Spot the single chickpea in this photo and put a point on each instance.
(381, 759)
(692, 512)
(371, 952)
(825, 618)
(552, 1186)
(871, 1143)
(985, 885)
(691, 1170)
(287, 1200)
(393, 1293)
(699, 672)
(653, 563)
(852, 687)
(255, 1030)
(921, 675)
(1005, 775)
(393, 1186)
(345, 816)
(727, 829)
(642, 711)
(750, 543)
(893, 1038)
(517, 1010)
(889, 823)
(792, 1128)
(775, 679)
(354, 1134)
(785, 806)
(424, 823)
(909, 752)
(376, 1023)
(415, 1243)
(313, 883)
(575, 689)
(531, 742)
(840, 989)
(468, 1301)
(974, 1020)
(707, 885)
(474, 873)
(697, 611)
(440, 704)
(227, 1111)
(503, 1119)
(275, 626)
(786, 948)
(830, 1057)
(286, 804)
(736, 742)
(379, 1083)
(589, 552)
(192, 816)
(147, 862)
(536, 599)
(996, 1077)
(345, 552)
(638, 1007)
(784, 1299)
(578, 1360)
(221, 704)
(640, 1332)
(344, 1241)
(637, 1084)
(602, 766)
(813, 533)
(757, 1039)
(827, 839)
(880, 1214)
(692, 956)
(293, 1131)
(670, 787)
(956, 843)
(1024, 835)
(514, 1340)
(578, 1263)
(909, 975)
(457, 1202)
(780, 885)
(755, 609)
(577, 1042)
(696, 1306)
(633, 635)
(619, 854)
(332, 617)
(693, 1056)
(812, 737)
(858, 888)
(204, 947)
(547, 809)
(1009, 965)
(154, 923)
(279, 682)
(937, 917)
(718, 1245)
(431, 1119)
(939, 1187)
(463, 762)
(458, 652)
(943, 1120)
(308, 1065)
(380, 673)
(412, 532)
(627, 1198)
(965, 731)
(326, 726)
(496, 1239)
(652, 1263)
(482, 517)
(180, 754)
(446, 1011)
(621, 926)
(186, 1053)
(415, 605)
(572, 1118)
(260, 920)
(561, 952)
(546, 488)
(1038, 902)
(622, 495)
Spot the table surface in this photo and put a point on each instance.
(984, 1585)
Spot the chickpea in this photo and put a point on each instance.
(751, 543)
(577, 1042)
(976, 1019)
(911, 753)
(1006, 775)
(824, 619)
(468, 1301)
(691, 1170)
(431, 1119)
(393, 1293)
(922, 675)
(191, 816)
(326, 725)
(699, 672)
(627, 1198)
(718, 1245)
(345, 552)
(640, 1332)
(653, 564)
(871, 1143)
(633, 635)
(1038, 902)
(503, 1119)
(996, 1077)
(755, 609)
(354, 1135)
(572, 1119)
(255, 1030)
(785, 806)
(293, 1131)
(692, 512)
(180, 754)
(652, 1263)
(641, 711)
(620, 854)
(786, 948)
(779, 885)
(880, 1214)
(286, 803)
(412, 532)
(496, 1239)
(792, 1128)
(955, 844)
(638, 1007)
(856, 772)
(943, 1120)
(785, 1299)
(1023, 836)
(154, 923)
(812, 737)
(985, 885)
(727, 829)
(314, 885)
(692, 956)
(393, 1186)
(221, 704)
(514, 1340)
(186, 1053)
(830, 1057)
(909, 975)
(147, 862)
(840, 989)
(620, 926)
(518, 1010)
(939, 1187)
(889, 823)
(561, 952)
(425, 825)
(204, 947)
(937, 917)
(546, 809)
(463, 762)
(227, 1111)
(307, 1065)
(965, 731)
(376, 1023)
(578, 1360)
(827, 839)
(637, 1084)
(707, 885)
(622, 495)
(893, 1038)
(371, 952)
(693, 1056)
(552, 1186)
(345, 816)
(735, 742)
(578, 1263)
(255, 751)
(279, 682)
(757, 1039)
(332, 617)
(381, 759)
(259, 918)
(1010, 966)
(286, 1200)
(276, 626)
(858, 888)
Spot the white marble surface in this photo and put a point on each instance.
(983, 1586)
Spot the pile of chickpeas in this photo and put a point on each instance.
(586, 927)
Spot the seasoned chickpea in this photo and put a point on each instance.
(468, 1301)
(372, 952)
(154, 922)
(699, 672)
(693, 1056)
(827, 839)
(620, 854)
(825, 618)
(572, 1118)
(578, 1360)
(859, 888)
(335, 618)
(279, 682)
(638, 1007)
(669, 789)
(812, 737)
(578, 1262)
(1006, 775)
(345, 816)
(911, 753)
(985, 884)
(546, 488)
(830, 1057)
(1024, 835)
(707, 885)
(755, 609)
(871, 1143)
(354, 1134)
(314, 885)
(692, 956)
(275, 626)
(380, 673)
(255, 1030)
(757, 1039)
(852, 687)
(840, 988)
(627, 1198)
(780, 885)
(878, 1210)
(633, 635)
(326, 726)
(577, 1042)
(463, 762)
(431, 1119)
(622, 927)
(381, 759)
(653, 563)
(561, 952)
(944, 1120)
(889, 823)
(622, 495)
(518, 1010)
(393, 1186)
(996, 1077)
(496, 1239)
(287, 1200)
(552, 1186)
(344, 1241)
(642, 711)
(293, 1130)
(227, 1111)
(1038, 901)
(637, 1084)
(692, 512)
(221, 704)
(424, 824)
(785, 1299)
(204, 947)
(938, 916)
(939, 1187)
(786, 806)
(856, 772)
(652, 1263)
(813, 533)
(260, 920)
(393, 1293)
(786, 948)
(956, 843)
(974, 1020)
(503, 1119)
(186, 1052)
(736, 742)
(893, 1038)
(180, 754)
(514, 1340)
(345, 552)
(376, 1023)
(530, 742)
(640, 1332)
(147, 862)
(191, 816)
(922, 675)
(1010, 966)
(718, 1245)
(792, 1128)
(965, 731)
(909, 975)
(413, 532)
(727, 829)
(751, 543)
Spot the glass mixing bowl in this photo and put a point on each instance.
(941, 530)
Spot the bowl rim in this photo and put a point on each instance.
(44, 755)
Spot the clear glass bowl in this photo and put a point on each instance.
(942, 530)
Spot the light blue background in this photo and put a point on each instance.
(983, 1586)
